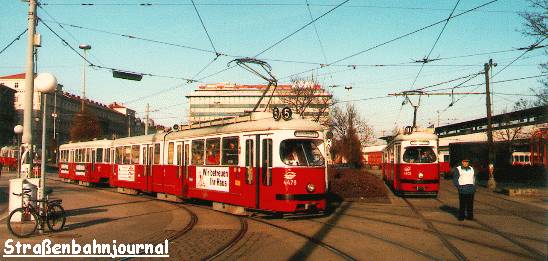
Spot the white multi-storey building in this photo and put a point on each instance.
(221, 100)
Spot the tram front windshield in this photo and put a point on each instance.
(419, 154)
(301, 152)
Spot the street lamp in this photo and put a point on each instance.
(84, 47)
(45, 83)
(18, 130)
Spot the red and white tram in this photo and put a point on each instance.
(8, 157)
(85, 162)
(410, 165)
(253, 161)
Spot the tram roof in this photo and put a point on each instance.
(258, 123)
(416, 136)
(87, 144)
(139, 139)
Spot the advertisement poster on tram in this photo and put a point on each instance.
(126, 172)
(213, 178)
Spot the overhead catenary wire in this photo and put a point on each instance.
(322, 49)
(320, 64)
(270, 3)
(67, 31)
(205, 29)
(134, 37)
(13, 41)
(105, 67)
(301, 28)
(393, 39)
(532, 47)
(435, 43)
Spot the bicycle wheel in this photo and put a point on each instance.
(56, 217)
(22, 222)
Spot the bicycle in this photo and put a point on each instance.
(23, 221)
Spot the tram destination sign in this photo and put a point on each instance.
(213, 178)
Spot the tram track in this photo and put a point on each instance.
(534, 253)
(383, 239)
(173, 236)
(237, 238)
(324, 245)
(454, 250)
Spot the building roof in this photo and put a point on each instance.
(6, 88)
(251, 87)
(14, 76)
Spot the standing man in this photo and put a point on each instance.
(464, 179)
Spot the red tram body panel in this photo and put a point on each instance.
(252, 161)
(410, 164)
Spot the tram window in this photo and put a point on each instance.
(179, 154)
(127, 155)
(297, 152)
(527, 159)
(249, 153)
(156, 154)
(230, 151)
(419, 154)
(135, 154)
(170, 151)
(213, 154)
(99, 155)
(445, 158)
(119, 155)
(107, 155)
(267, 162)
(198, 152)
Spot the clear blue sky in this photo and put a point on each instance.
(238, 28)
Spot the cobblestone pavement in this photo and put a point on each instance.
(411, 229)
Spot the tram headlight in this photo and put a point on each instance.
(421, 175)
(310, 187)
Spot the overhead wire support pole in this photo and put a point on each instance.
(29, 84)
(490, 149)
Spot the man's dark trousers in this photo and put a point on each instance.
(466, 204)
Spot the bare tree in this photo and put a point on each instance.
(84, 126)
(535, 20)
(510, 135)
(307, 99)
(351, 132)
(535, 26)
(340, 124)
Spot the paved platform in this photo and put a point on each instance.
(505, 228)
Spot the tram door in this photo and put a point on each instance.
(397, 169)
(147, 165)
(185, 156)
(249, 191)
(93, 157)
(265, 195)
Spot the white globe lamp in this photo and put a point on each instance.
(45, 83)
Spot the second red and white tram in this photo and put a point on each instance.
(85, 162)
(410, 165)
(254, 162)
